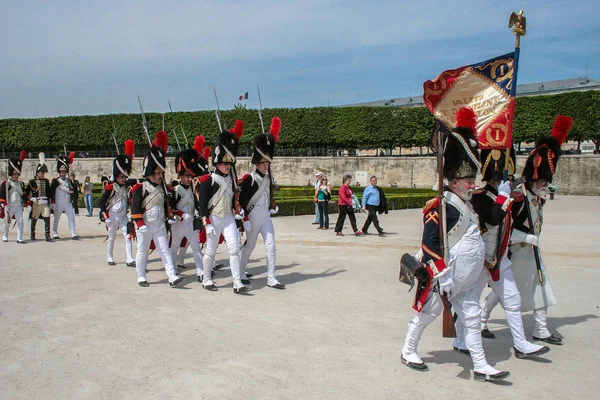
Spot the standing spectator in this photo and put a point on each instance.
(322, 197)
(88, 187)
(346, 207)
(319, 176)
(75, 196)
(373, 200)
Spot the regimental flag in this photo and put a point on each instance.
(244, 96)
(488, 88)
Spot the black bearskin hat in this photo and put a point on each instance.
(16, 164)
(461, 157)
(543, 159)
(63, 162)
(227, 145)
(155, 159)
(187, 161)
(41, 167)
(492, 164)
(123, 163)
(264, 145)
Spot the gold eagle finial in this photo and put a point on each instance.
(519, 22)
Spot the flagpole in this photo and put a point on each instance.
(518, 23)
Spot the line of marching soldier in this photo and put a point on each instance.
(492, 235)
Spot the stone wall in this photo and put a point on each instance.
(578, 175)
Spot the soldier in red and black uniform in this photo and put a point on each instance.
(462, 278)
(150, 211)
(113, 204)
(256, 198)
(40, 195)
(189, 165)
(527, 264)
(219, 208)
(492, 204)
(12, 197)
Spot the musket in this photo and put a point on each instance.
(115, 137)
(185, 137)
(174, 129)
(272, 204)
(448, 329)
(536, 250)
(218, 113)
(145, 125)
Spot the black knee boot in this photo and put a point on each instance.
(32, 228)
(47, 229)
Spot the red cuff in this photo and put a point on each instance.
(179, 213)
(140, 223)
(505, 202)
(437, 266)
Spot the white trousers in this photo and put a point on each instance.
(157, 232)
(185, 229)
(262, 224)
(17, 211)
(540, 315)
(228, 228)
(66, 207)
(118, 221)
(180, 259)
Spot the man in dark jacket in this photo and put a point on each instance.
(373, 201)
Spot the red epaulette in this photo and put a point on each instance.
(54, 179)
(4, 183)
(136, 187)
(246, 177)
(518, 196)
(204, 178)
(431, 204)
(108, 186)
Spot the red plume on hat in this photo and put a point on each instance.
(275, 128)
(206, 152)
(162, 140)
(238, 129)
(199, 143)
(129, 148)
(71, 157)
(23, 155)
(466, 118)
(561, 127)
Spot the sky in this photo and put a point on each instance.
(80, 57)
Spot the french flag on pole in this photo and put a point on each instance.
(244, 96)
(488, 88)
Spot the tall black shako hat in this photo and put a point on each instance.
(461, 156)
(155, 159)
(227, 145)
(16, 164)
(63, 162)
(41, 167)
(189, 160)
(493, 163)
(543, 159)
(123, 163)
(264, 144)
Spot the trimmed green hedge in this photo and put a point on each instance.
(318, 127)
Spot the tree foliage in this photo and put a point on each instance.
(319, 127)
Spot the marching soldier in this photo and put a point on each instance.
(184, 201)
(62, 191)
(12, 195)
(492, 204)
(462, 279)
(256, 198)
(150, 212)
(527, 265)
(113, 204)
(39, 194)
(219, 208)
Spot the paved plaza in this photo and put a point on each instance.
(73, 327)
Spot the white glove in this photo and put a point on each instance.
(446, 284)
(186, 217)
(143, 229)
(108, 222)
(172, 221)
(34, 200)
(247, 226)
(275, 211)
(504, 189)
(522, 237)
(210, 231)
(240, 215)
(42, 201)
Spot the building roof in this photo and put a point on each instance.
(526, 89)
